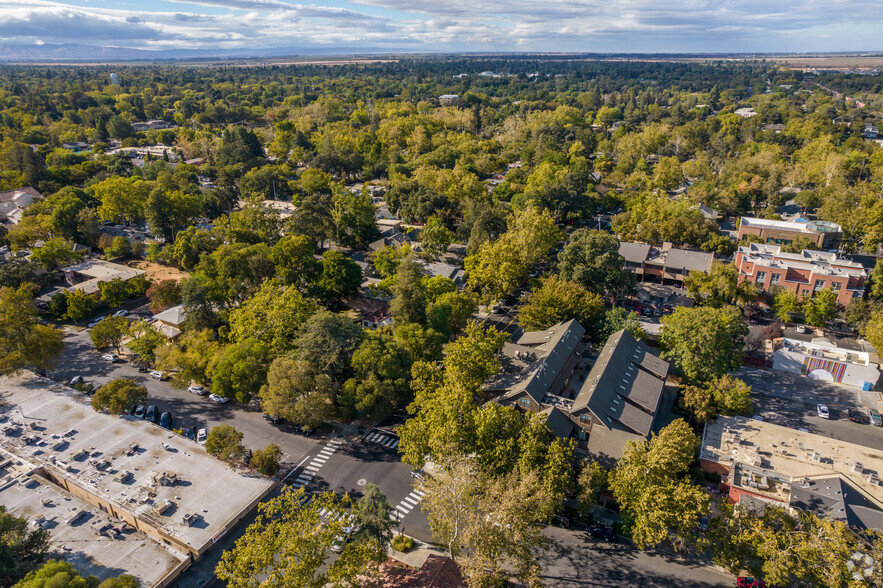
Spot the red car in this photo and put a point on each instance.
(749, 582)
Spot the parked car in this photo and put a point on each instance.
(198, 390)
(76, 380)
(190, 433)
(875, 417)
(822, 410)
(271, 418)
(111, 357)
(218, 399)
(165, 420)
(856, 415)
(150, 414)
(307, 431)
(139, 411)
(158, 375)
(800, 328)
(120, 313)
(602, 532)
(561, 520)
(200, 436)
(749, 582)
(96, 321)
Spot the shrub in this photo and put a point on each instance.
(402, 543)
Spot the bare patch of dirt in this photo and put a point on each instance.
(156, 272)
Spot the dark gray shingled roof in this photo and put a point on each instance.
(625, 384)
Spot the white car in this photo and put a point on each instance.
(800, 328)
(198, 390)
(200, 436)
(112, 358)
(120, 313)
(158, 375)
(822, 410)
(96, 321)
(218, 399)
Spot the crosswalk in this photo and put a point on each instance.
(406, 505)
(382, 439)
(306, 476)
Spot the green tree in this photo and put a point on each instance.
(592, 260)
(113, 292)
(290, 542)
(118, 396)
(820, 308)
(22, 549)
(241, 370)
(556, 301)
(191, 358)
(296, 392)
(55, 253)
(421, 343)
(592, 477)
(616, 319)
(703, 342)
(372, 514)
(381, 370)
(109, 332)
(164, 294)
(436, 237)
(451, 311)
(472, 358)
(341, 276)
(353, 218)
(273, 315)
(23, 341)
(873, 330)
(658, 502)
(191, 244)
(225, 443)
(145, 340)
(719, 286)
(799, 244)
(296, 264)
(122, 199)
(267, 460)
(79, 305)
(786, 304)
(386, 260)
(437, 286)
(119, 247)
(409, 304)
(62, 574)
(327, 342)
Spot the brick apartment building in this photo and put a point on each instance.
(826, 235)
(803, 273)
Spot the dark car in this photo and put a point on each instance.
(749, 582)
(190, 433)
(856, 416)
(150, 415)
(139, 411)
(165, 420)
(303, 430)
(273, 419)
(601, 532)
(561, 520)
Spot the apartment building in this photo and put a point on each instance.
(803, 273)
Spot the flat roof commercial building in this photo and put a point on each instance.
(140, 477)
(825, 234)
(803, 273)
(762, 463)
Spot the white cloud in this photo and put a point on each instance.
(538, 25)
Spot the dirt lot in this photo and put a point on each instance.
(157, 272)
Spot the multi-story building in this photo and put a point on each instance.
(666, 264)
(761, 463)
(826, 235)
(803, 273)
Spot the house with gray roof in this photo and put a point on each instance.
(665, 264)
(619, 398)
(536, 369)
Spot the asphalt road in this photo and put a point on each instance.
(574, 560)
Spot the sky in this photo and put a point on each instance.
(647, 26)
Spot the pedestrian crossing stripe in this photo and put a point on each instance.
(381, 439)
(306, 476)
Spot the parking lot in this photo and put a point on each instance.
(790, 400)
(188, 410)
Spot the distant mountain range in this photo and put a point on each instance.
(87, 53)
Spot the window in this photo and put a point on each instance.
(524, 402)
(836, 286)
(774, 278)
(761, 277)
(819, 285)
(585, 418)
